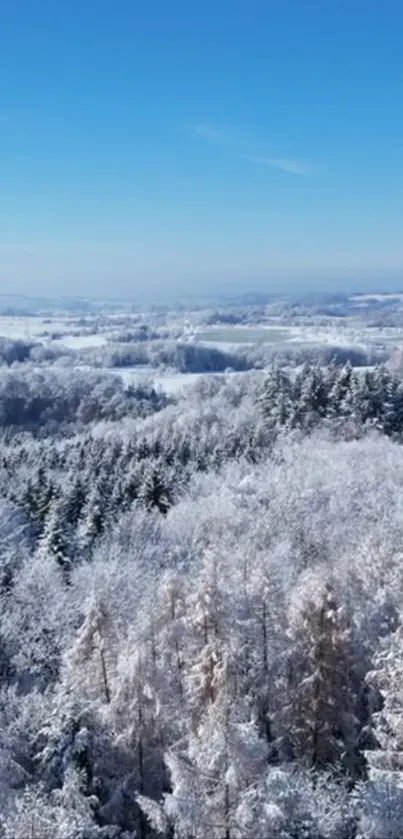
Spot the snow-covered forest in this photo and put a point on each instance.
(201, 602)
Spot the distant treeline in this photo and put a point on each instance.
(184, 357)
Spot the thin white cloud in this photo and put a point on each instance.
(238, 140)
(294, 167)
(225, 135)
(210, 133)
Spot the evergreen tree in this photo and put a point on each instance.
(341, 396)
(154, 492)
(386, 759)
(318, 718)
(223, 757)
(37, 499)
(58, 540)
(311, 396)
(276, 398)
(74, 501)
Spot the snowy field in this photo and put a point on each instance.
(65, 332)
(366, 298)
(171, 383)
(42, 329)
(81, 342)
(244, 335)
(28, 328)
(340, 334)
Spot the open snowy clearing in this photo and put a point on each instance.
(63, 331)
(82, 342)
(171, 383)
(43, 330)
(340, 335)
(244, 335)
(365, 298)
(28, 328)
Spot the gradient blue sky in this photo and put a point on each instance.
(175, 145)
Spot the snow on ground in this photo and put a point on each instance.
(171, 383)
(224, 338)
(334, 337)
(81, 342)
(337, 337)
(28, 328)
(365, 298)
(261, 333)
(42, 329)
(340, 334)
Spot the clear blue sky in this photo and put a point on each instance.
(190, 144)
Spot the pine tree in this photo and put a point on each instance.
(222, 758)
(392, 409)
(311, 396)
(318, 718)
(154, 492)
(91, 662)
(387, 677)
(137, 720)
(341, 396)
(381, 391)
(37, 499)
(57, 540)
(74, 500)
(92, 523)
(276, 398)
(365, 408)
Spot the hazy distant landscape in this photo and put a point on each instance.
(165, 343)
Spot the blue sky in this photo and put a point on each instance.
(168, 146)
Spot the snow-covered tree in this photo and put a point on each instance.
(318, 718)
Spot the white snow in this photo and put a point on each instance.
(80, 342)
